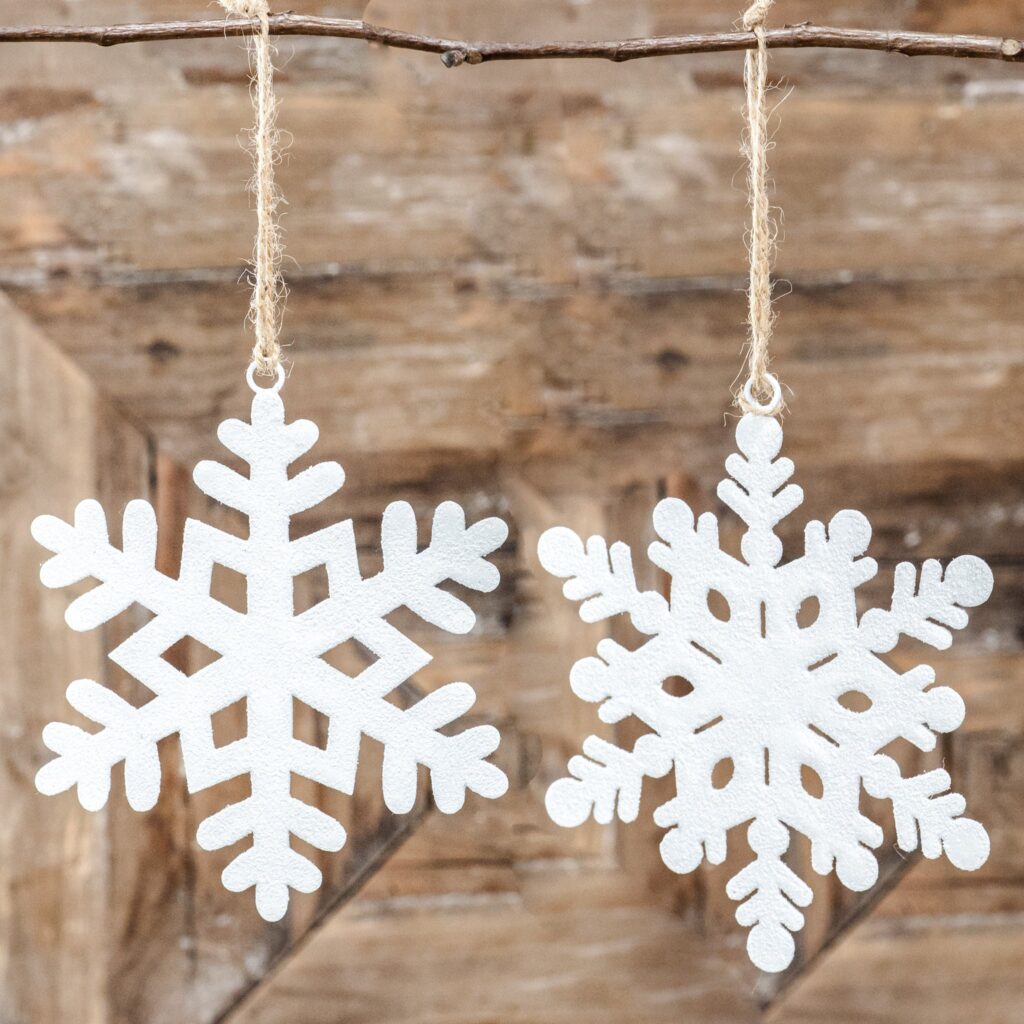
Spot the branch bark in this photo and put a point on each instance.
(454, 52)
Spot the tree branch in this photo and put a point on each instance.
(456, 51)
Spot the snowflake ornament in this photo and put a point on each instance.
(270, 655)
(766, 693)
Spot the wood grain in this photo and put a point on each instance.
(944, 969)
(471, 369)
(541, 191)
(542, 170)
(56, 919)
(562, 942)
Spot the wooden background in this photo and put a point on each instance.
(518, 286)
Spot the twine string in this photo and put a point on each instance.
(761, 394)
(268, 292)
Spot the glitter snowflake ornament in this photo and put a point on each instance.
(766, 693)
(269, 655)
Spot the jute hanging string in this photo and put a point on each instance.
(761, 393)
(268, 292)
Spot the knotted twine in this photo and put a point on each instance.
(268, 292)
(761, 393)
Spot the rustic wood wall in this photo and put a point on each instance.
(517, 286)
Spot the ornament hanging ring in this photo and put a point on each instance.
(250, 376)
(769, 408)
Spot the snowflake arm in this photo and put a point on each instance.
(86, 760)
(458, 763)
(410, 736)
(456, 552)
(412, 578)
(927, 814)
(772, 892)
(270, 865)
(83, 550)
(607, 781)
(902, 705)
(602, 579)
(629, 683)
(928, 610)
(754, 492)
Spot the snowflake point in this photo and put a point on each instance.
(560, 551)
(673, 520)
(970, 580)
(771, 947)
(759, 437)
(850, 532)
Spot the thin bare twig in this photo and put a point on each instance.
(459, 51)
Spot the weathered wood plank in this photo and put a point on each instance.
(599, 382)
(59, 932)
(567, 946)
(893, 183)
(882, 162)
(943, 967)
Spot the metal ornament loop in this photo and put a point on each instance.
(250, 376)
(769, 408)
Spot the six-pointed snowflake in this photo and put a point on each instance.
(270, 655)
(766, 693)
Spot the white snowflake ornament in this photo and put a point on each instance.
(270, 655)
(766, 693)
